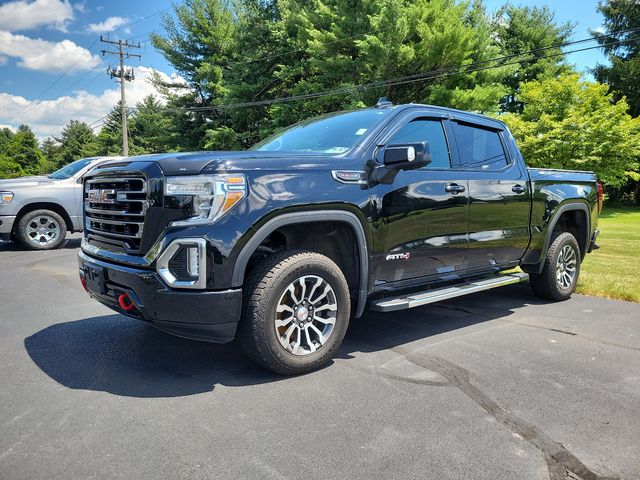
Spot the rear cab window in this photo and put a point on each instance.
(479, 147)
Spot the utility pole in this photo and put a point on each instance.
(124, 75)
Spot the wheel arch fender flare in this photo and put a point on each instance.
(284, 219)
(567, 207)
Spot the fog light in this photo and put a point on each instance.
(193, 262)
(183, 263)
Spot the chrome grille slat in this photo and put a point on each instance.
(115, 208)
(126, 213)
(125, 180)
(116, 222)
(112, 234)
(135, 200)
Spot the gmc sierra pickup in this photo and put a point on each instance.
(390, 207)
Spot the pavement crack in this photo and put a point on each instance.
(566, 332)
(561, 463)
(380, 373)
(458, 309)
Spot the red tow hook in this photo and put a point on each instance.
(84, 283)
(125, 302)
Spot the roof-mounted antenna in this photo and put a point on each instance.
(384, 102)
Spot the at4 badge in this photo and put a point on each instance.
(398, 256)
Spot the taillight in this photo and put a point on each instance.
(600, 195)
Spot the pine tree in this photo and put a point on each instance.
(8, 167)
(23, 150)
(152, 130)
(5, 138)
(109, 139)
(50, 149)
(521, 29)
(623, 73)
(77, 141)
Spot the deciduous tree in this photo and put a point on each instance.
(571, 123)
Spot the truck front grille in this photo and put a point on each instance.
(115, 208)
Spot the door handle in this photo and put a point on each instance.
(454, 188)
(518, 189)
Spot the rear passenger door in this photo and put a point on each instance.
(498, 194)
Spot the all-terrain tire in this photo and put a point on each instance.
(274, 284)
(563, 253)
(41, 230)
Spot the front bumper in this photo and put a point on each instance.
(6, 225)
(201, 315)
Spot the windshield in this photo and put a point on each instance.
(334, 133)
(70, 170)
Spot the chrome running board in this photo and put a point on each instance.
(418, 299)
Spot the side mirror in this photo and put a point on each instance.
(407, 156)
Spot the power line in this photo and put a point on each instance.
(89, 72)
(142, 19)
(64, 72)
(565, 44)
(98, 120)
(143, 35)
(70, 67)
(434, 74)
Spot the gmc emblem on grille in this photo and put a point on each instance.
(102, 195)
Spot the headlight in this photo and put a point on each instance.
(5, 198)
(213, 196)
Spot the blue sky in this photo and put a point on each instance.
(52, 70)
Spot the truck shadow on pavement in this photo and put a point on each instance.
(69, 244)
(114, 354)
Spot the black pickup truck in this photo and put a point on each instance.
(386, 208)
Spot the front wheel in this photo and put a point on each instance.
(41, 230)
(296, 312)
(559, 277)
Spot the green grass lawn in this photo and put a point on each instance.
(613, 271)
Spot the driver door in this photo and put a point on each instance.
(420, 228)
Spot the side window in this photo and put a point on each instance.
(430, 131)
(479, 147)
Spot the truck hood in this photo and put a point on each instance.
(197, 162)
(24, 182)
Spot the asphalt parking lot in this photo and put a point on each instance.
(497, 385)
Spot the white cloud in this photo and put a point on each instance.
(38, 54)
(48, 117)
(109, 25)
(599, 30)
(10, 127)
(24, 15)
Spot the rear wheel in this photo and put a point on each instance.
(296, 312)
(559, 277)
(41, 230)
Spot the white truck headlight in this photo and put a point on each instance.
(213, 195)
(5, 198)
